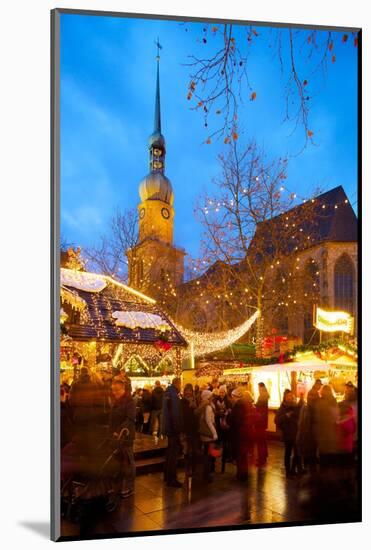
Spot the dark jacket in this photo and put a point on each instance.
(146, 402)
(157, 398)
(123, 415)
(325, 427)
(171, 412)
(287, 419)
(87, 401)
(190, 420)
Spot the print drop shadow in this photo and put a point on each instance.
(41, 528)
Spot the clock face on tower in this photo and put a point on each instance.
(165, 213)
(141, 213)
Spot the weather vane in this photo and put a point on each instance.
(159, 47)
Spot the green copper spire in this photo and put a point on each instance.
(157, 126)
(156, 186)
(156, 139)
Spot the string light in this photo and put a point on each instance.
(208, 342)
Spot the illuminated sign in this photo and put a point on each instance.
(241, 370)
(334, 321)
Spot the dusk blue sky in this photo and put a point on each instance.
(108, 73)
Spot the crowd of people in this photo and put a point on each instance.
(319, 430)
(214, 421)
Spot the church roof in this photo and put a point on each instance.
(115, 312)
(332, 219)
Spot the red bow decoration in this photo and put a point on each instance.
(163, 346)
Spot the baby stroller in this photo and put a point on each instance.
(91, 478)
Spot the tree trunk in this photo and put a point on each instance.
(259, 328)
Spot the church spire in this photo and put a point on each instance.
(157, 126)
(156, 143)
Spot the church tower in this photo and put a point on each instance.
(155, 264)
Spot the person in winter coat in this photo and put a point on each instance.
(197, 395)
(87, 403)
(307, 440)
(123, 415)
(286, 420)
(350, 400)
(190, 427)
(261, 406)
(207, 430)
(172, 427)
(314, 393)
(242, 421)
(146, 406)
(223, 408)
(156, 412)
(346, 430)
(326, 429)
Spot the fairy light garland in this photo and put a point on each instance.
(208, 342)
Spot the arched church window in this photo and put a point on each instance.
(344, 284)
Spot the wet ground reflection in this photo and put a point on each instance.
(267, 497)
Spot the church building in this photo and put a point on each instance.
(155, 263)
(218, 299)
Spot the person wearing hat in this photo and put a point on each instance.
(207, 430)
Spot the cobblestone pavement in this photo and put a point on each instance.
(268, 497)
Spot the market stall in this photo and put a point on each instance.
(106, 324)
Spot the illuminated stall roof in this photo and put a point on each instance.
(114, 312)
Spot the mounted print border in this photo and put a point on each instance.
(205, 318)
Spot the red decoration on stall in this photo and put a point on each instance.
(161, 345)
